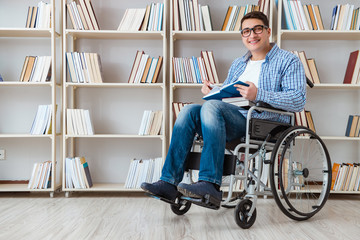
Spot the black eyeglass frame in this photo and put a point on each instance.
(252, 29)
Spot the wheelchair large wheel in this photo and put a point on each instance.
(241, 214)
(300, 173)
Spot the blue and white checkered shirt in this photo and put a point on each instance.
(282, 82)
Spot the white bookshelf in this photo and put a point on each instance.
(117, 118)
(330, 102)
(22, 148)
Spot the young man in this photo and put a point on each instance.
(275, 76)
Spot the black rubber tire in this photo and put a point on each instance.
(241, 211)
(180, 208)
(282, 199)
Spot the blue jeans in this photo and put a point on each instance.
(217, 122)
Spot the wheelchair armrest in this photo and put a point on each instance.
(267, 106)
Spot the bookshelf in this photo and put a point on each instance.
(331, 101)
(116, 107)
(20, 100)
(226, 47)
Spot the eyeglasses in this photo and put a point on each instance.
(256, 29)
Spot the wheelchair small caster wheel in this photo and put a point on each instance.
(241, 214)
(181, 206)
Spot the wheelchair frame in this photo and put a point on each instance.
(245, 212)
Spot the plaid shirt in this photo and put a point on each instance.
(282, 82)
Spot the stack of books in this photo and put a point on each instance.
(143, 170)
(82, 15)
(177, 106)
(345, 177)
(302, 17)
(39, 16)
(311, 71)
(143, 19)
(40, 176)
(78, 122)
(77, 173)
(352, 74)
(145, 69)
(42, 121)
(84, 67)
(151, 123)
(196, 69)
(345, 17)
(235, 13)
(36, 69)
(189, 15)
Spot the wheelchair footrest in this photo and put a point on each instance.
(206, 201)
(162, 199)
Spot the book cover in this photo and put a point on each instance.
(353, 58)
(335, 170)
(313, 70)
(225, 91)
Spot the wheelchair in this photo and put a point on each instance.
(294, 158)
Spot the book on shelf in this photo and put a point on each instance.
(345, 17)
(353, 126)
(313, 70)
(36, 69)
(151, 123)
(335, 170)
(234, 14)
(42, 121)
(41, 176)
(177, 106)
(239, 101)
(143, 19)
(82, 15)
(225, 91)
(301, 119)
(143, 170)
(302, 17)
(1, 78)
(132, 19)
(190, 15)
(84, 67)
(145, 69)
(310, 120)
(346, 177)
(195, 69)
(302, 56)
(78, 122)
(77, 173)
(39, 16)
(353, 68)
(305, 119)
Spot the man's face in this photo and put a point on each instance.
(256, 42)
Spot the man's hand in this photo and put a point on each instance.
(206, 87)
(249, 92)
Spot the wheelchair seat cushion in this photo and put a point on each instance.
(260, 128)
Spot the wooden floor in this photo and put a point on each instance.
(119, 216)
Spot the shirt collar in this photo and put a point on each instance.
(268, 57)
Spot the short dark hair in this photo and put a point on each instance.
(258, 15)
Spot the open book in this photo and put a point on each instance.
(225, 91)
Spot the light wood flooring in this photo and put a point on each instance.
(124, 216)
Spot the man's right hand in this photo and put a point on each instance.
(206, 87)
